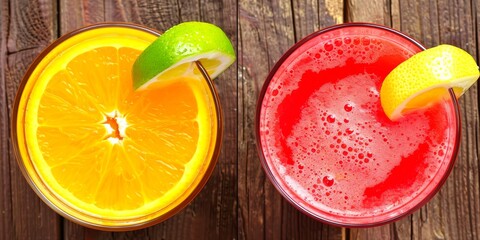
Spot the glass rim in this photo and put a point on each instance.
(61, 209)
(283, 192)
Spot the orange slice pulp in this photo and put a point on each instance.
(101, 153)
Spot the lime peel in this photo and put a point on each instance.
(173, 54)
(426, 77)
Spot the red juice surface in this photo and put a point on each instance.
(328, 146)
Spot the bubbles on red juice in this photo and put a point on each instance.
(356, 41)
(328, 46)
(349, 131)
(348, 107)
(331, 118)
(365, 41)
(441, 153)
(347, 40)
(275, 92)
(338, 42)
(328, 181)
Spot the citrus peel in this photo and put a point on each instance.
(425, 78)
(172, 54)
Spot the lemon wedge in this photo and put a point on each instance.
(425, 78)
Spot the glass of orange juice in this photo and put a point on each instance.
(101, 154)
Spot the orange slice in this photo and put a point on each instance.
(106, 154)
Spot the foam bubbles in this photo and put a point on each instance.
(338, 147)
(365, 41)
(347, 40)
(348, 107)
(328, 181)
(331, 118)
(328, 46)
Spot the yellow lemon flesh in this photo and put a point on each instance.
(425, 78)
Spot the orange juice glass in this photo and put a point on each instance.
(101, 154)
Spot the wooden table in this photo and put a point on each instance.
(239, 202)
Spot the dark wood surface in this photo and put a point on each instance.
(239, 202)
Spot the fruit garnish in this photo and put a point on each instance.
(173, 54)
(425, 78)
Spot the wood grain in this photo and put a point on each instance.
(76, 14)
(311, 16)
(239, 202)
(30, 28)
(259, 47)
(6, 217)
(374, 11)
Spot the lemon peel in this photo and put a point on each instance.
(426, 77)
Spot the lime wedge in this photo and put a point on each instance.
(425, 78)
(174, 53)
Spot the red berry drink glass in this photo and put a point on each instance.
(325, 142)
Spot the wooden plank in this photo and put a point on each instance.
(266, 30)
(310, 16)
(6, 214)
(160, 14)
(457, 207)
(212, 215)
(259, 47)
(28, 31)
(76, 14)
(375, 11)
(453, 212)
(223, 184)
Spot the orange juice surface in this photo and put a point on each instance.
(102, 154)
